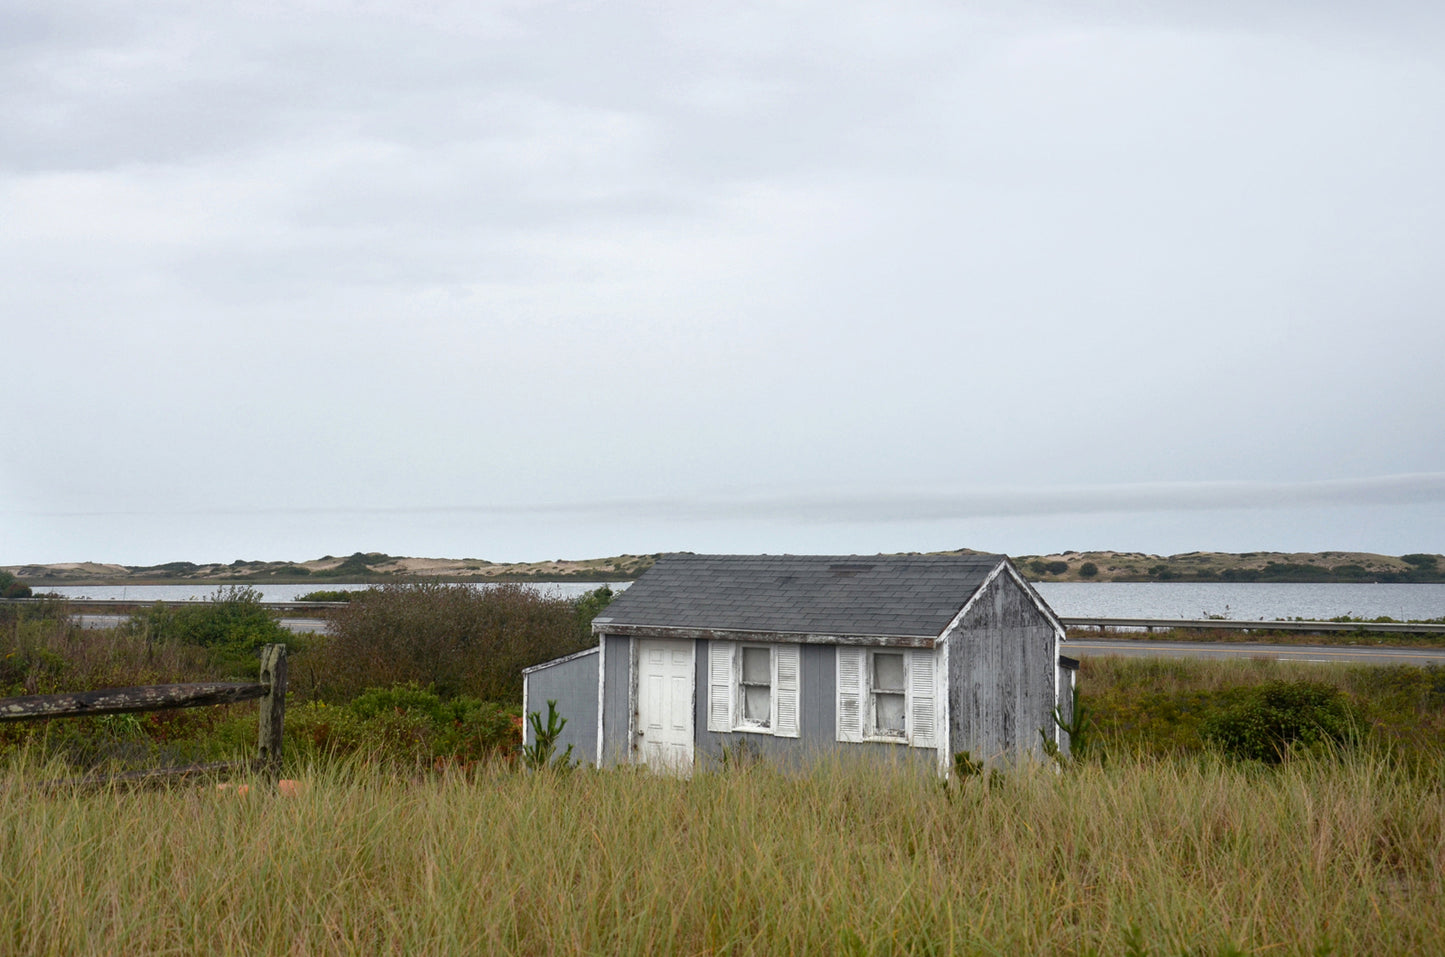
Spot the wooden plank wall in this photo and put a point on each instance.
(1001, 664)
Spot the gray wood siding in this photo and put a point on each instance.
(573, 685)
(1001, 665)
(615, 703)
(817, 714)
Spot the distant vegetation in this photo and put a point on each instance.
(339, 594)
(381, 568)
(12, 587)
(1232, 567)
(370, 567)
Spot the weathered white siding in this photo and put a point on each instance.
(1001, 661)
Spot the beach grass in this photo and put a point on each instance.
(1342, 856)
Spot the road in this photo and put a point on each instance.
(111, 621)
(1360, 654)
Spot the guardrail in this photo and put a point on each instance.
(1225, 624)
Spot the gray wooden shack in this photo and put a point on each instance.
(913, 656)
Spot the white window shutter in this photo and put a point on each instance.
(922, 698)
(785, 690)
(850, 692)
(720, 684)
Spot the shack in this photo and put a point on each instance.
(918, 657)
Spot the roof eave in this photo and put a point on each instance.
(737, 634)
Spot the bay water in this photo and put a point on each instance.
(1239, 601)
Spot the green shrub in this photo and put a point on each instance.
(405, 724)
(1088, 570)
(232, 625)
(590, 604)
(336, 594)
(1269, 721)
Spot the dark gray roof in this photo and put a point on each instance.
(902, 595)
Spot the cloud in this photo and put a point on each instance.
(888, 507)
(599, 262)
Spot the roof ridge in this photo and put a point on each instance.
(896, 556)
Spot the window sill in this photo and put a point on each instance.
(751, 729)
(886, 738)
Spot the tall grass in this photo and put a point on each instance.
(1175, 857)
(1157, 706)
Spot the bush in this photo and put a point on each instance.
(590, 604)
(453, 639)
(12, 587)
(232, 625)
(1277, 717)
(1088, 570)
(339, 594)
(406, 724)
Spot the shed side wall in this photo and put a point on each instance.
(573, 685)
(1001, 675)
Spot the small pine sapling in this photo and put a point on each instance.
(542, 753)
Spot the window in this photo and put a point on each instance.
(753, 688)
(888, 691)
(887, 694)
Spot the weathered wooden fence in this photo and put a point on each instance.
(270, 688)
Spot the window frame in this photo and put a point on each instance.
(725, 694)
(856, 697)
(871, 730)
(740, 686)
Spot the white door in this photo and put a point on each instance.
(664, 703)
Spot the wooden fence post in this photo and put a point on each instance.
(273, 708)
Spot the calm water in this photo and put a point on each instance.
(1240, 601)
(197, 592)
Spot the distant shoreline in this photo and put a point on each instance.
(1070, 566)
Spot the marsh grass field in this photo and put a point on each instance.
(1317, 856)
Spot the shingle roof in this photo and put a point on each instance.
(902, 595)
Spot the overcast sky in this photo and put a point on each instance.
(526, 281)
